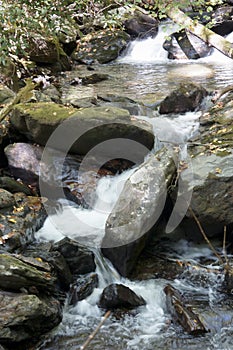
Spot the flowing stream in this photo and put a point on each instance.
(145, 72)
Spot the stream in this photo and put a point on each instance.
(144, 73)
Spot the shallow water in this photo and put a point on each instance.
(149, 78)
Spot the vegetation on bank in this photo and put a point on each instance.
(20, 19)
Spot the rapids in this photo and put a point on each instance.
(144, 72)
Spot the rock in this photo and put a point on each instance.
(137, 210)
(6, 94)
(103, 46)
(183, 314)
(184, 45)
(14, 186)
(222, 20)
(24, 317)
(187, 97)
(56, 262)
(38, 121)
(120, 102)
(82, 288)
(16, 274)
(141, 26)
(6, 199)
(79, 259)
(18, 224)
(48, 51)
(210, 178)
(93, 78)
(117, 296)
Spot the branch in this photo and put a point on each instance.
(93, 334)
(205, 237)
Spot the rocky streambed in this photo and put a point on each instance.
(43, 281)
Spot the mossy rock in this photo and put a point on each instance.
(39, 120)
(103, 46)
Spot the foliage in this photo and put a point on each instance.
(21, 18)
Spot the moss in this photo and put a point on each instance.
(45, 111)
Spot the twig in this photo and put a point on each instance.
(93, 334)
(205, 237)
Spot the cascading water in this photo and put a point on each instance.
(150, 326)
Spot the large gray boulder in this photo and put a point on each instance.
(37, 121)
(211, 176)
(137, 210)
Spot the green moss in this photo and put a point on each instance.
(45, 111)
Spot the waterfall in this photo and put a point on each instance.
(149, 50)
(90, 222)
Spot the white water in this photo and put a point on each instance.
(85, 225)
(148, 50)
(151, 321)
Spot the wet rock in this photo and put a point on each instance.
(119, 101)
(17, 273)
(103, 46)
(39, 120)
(79, 259)
(82, 288)
(13, 186)
(184, 45)
(117, 296)
(211, 178)
(137, 210)
(18, 224)
(141, 26)
(56, 261)
(24, 317)
(187, 97)
(90, 79)
(181, 313)
(6, 199)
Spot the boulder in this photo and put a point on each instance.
(117, 296)
(17, 273)
(24, 317)
(184, 45)
(211, 179)
(82, 288)
(38, 121)
(137, 210)
(6, 199)
(141, 26)
(56, 261)
(103, 46)
(13, 186)
(19, 223)
(222, 20)
(79, 259)
(48, 51)
(187, 97)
